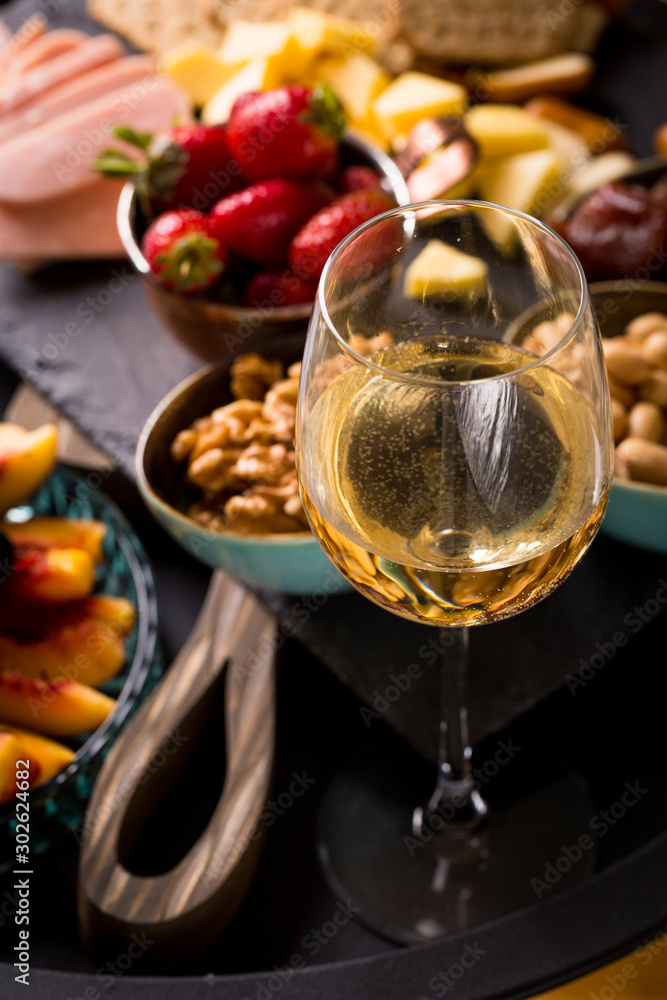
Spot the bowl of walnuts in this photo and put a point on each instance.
(215, 464)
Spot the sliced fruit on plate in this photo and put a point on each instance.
(55, 708)
(26, 459)
(47, 757)
(85, 646)
(58, 533)
(442, 269)
(52, 574)
(12, 751)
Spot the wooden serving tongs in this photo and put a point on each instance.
(183, 911)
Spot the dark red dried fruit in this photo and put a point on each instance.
(618, 231)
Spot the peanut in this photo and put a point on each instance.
(644, 460)
(641, 326)
(623, 393)
(619, 416)
(654, 349)
(624, 361)
(655, 388)
(646, 421)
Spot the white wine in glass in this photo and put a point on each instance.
(454, 457)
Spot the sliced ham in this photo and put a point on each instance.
(47, 46)
(83, 88)
(14, 43)
(53, 159)
(81, 224)
(93, 52)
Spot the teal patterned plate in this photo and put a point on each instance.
(60, 804)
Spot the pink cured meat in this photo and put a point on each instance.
(53, 159)
(81, 224)
(77, 92)
(43, 48)
(92, 52)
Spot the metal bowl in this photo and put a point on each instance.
(213, 330)
(636, 512)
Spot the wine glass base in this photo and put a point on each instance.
(536, 841)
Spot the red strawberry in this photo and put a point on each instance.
(260, 221)
(279, 287)
(358, 178)
(183, 253)
(188, 165)
(287, 132)
(312, 245)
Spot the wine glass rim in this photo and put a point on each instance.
(403, 210)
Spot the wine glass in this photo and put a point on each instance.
(454, 455)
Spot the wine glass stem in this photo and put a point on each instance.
(455, 808)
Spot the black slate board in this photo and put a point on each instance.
(85, 336)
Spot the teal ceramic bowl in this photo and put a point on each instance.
(289, 563)
(636, 512)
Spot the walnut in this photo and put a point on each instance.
(251, 375)
(279, 409)
(260, 463)
(260, 511)
(212, 471)
(242, 454)
(183, 444)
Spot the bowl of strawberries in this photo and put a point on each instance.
(230, 226)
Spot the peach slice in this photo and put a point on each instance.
(58, 533)
(90, 651)
(52, 574)
(55, 708)
(12, 751)
(118, 611)
(26, 459)
(46, 756)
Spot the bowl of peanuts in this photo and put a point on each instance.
(215, 465)
(632, 315)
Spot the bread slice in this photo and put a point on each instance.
(493, 32)
(159, 25)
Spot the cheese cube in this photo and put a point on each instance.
(528, 182)
(442, 269)
(316, 33)
(258, 74)
(197, 70)
(412, 96)
(504, 129)
(357, 81)
(246, 40)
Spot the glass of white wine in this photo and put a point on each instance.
(454, 454)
